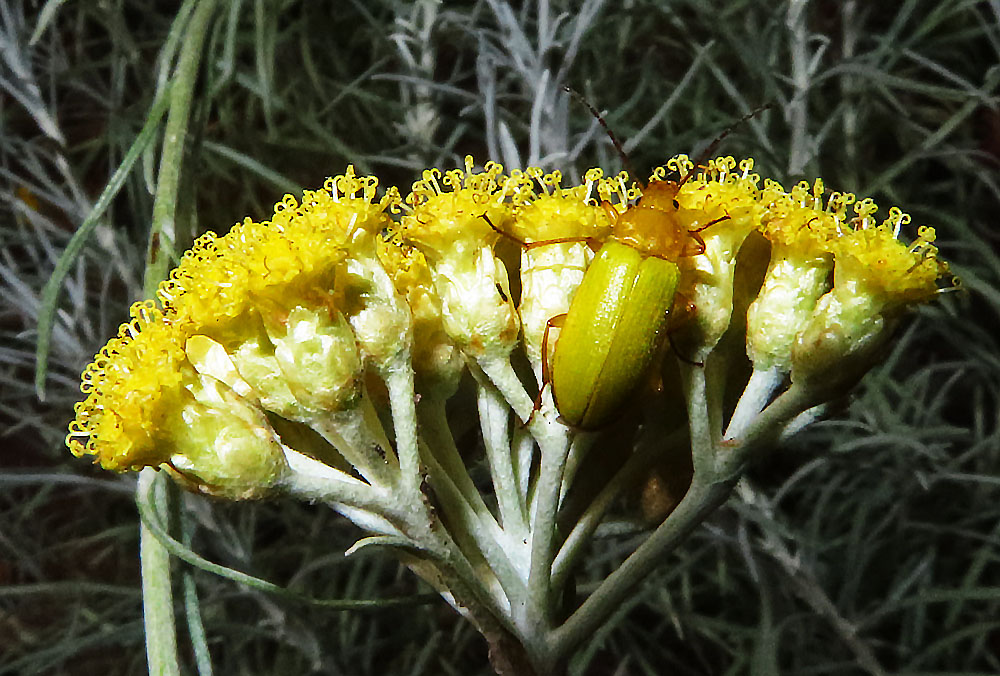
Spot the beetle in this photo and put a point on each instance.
(617, 320)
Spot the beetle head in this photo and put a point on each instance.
(651, 225)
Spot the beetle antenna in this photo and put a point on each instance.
(720, 138)
(626, 162)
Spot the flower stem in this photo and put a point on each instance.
(537, 617)
(310, 479)
(162, 251)
(494, 416)
(399, 381)
(702, 498)
(356, 434)
(755, 397)
(157, 595)
(477, 534)
(434, 429)
(583, 530)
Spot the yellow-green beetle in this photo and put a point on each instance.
(617, 319)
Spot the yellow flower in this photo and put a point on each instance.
(803, 228)
(724, 192)
(284, 260)
(293, 317)
(222, 444)
(276, 294)
(131, 384)
(876, 276)
(148, 406)
(453, 226)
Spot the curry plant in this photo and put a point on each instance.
(336, 351)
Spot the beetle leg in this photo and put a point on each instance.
(504, 233)
(711, 223)
(592, 242)
(557, 322)
(699, 247)
(610, 210)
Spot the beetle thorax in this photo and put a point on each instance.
(651, 225)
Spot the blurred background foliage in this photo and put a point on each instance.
(868, 546)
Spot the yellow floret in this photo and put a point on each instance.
(570, 221)
(453, 219)
(894, 272)
(456, 229)
(802, 221)
(803, 228)
(725, 192)
(299, 249)
(130, 386)
(875, 277)
(556, 212)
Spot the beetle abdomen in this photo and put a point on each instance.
(611, 334)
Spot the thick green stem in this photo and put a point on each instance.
(157, 595)
(641, 459)
(478, 533)
(158, 611)
(701, 500)
(434, 429)
(352, 434)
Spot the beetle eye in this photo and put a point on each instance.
(676, 204)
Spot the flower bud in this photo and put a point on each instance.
(876, 277)
(317, 353)
(802, 231)
(222, 443)
(454, 229)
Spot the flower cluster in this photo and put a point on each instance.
(319, 354)
(296, 308)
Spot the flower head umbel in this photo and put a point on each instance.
(875, 277)
(322, 353)
(258, 320)
(721, 203)
(802, 227)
